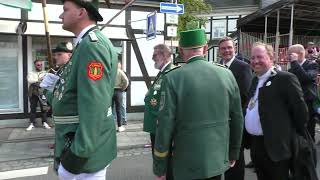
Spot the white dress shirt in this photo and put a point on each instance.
(302, 62)
(79, 37)
(252, 118)
(163, 67)
(228, 64)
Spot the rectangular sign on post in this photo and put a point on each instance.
(172, 19)
(172, 31)
(172, 8)
(152, 25)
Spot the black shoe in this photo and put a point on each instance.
(250, 165)
(124, 123)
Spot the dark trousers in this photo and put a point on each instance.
(117, 100)
(212, 178)
(267, 169)
(311, 125)
(237, 171)
(34, 100)
(169, 173)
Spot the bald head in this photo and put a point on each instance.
(299, 50)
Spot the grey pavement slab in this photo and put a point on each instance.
(19, 144)
(138, 167)
(132, 163)
(5, 133)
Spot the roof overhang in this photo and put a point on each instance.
(306, 18)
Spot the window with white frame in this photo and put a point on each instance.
(10, 96)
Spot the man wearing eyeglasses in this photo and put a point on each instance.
(36, 96)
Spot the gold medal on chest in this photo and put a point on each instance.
(153, 102)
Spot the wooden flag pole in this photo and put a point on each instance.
(121, 10)
(46, 24)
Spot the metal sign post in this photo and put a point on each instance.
(171, 11)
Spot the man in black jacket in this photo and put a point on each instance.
(243, 75)
(276, 111)
(306, 71)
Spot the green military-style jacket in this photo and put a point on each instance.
(152, 101)
(200, 116)
(85, 135)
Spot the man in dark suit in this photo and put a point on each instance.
(306, 71)
(243, 75)
(276, 111)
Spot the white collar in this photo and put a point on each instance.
(165, 66)
(302, 62)
(79, 37)
(229, 62)
(265, 75)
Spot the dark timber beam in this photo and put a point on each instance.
(137, 51)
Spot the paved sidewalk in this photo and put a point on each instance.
(18, 147)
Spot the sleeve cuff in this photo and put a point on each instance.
(159, 167)
(72, 162)
(234, 153)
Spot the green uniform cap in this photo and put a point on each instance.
(192, 39)
(63, 47)
(91, 6)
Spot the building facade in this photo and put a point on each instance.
(127, 32)
(18, 51)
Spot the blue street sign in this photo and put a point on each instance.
(151, 25)
(171, 8)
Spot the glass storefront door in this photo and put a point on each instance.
(10, 74)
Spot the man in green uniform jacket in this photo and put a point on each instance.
(81, 100)
(162, 61)
(200, 116)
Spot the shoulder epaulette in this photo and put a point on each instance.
(93, 36)
(169, 70)
(217, 64)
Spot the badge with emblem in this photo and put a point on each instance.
(56, 94)
(157, 85)
(60, 96)
(95, 70)
(162, 100)
(153, 102)
(69, 46)
(252, 103)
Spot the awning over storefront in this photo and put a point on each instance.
(37, 28)
(306, 18)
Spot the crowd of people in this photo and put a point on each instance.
(200, 115)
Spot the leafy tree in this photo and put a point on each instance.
(189, 20)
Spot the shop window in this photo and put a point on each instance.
(232, 25)
(218, 28)
(9, 74)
